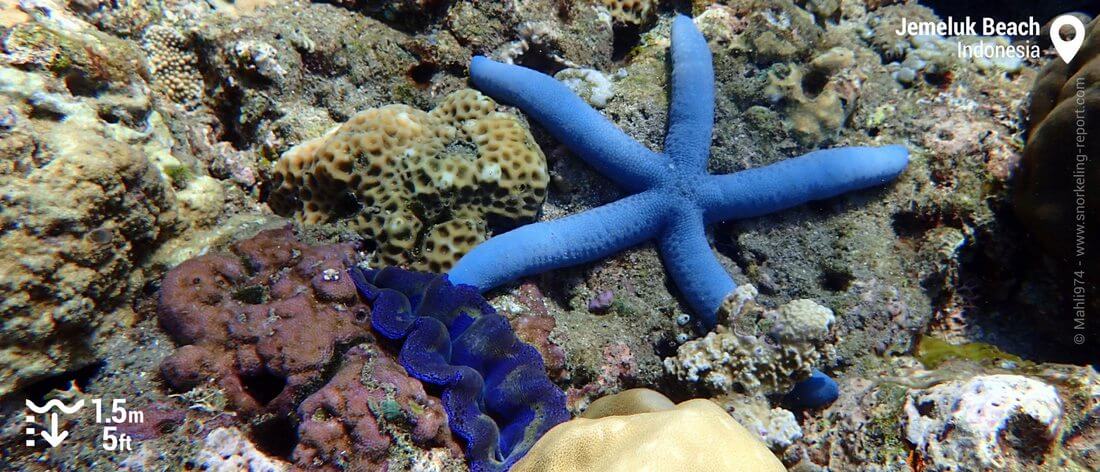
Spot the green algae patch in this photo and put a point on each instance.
(933, 352)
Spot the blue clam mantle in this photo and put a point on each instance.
(673, 198)
(494, 387)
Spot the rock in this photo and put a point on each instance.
(987, 422)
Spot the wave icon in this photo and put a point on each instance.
(55, 403)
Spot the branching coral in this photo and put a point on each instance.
(453, 339)
(419, 184)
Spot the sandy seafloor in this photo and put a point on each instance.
(138, 134)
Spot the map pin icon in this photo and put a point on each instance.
(1067, 49)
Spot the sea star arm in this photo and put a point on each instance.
(691, 112)
(814, 176)
(564, 242)
(584, 130)
(690, 261)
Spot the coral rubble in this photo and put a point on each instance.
(790, 342)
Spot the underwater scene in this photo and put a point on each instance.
(549, 235)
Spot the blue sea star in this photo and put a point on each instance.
(673, 197)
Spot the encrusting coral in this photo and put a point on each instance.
(453, 339)
(642, 430)
(673, 197)
(420, 184)
(278, 327)
(173, 66)
(80, 207)
(794, 339)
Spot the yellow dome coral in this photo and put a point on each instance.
(420, 184)
(649, 434)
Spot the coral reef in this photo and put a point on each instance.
(278, 327)
(790, 343)
(932, 285)
(82, 205)
(420, 184)
(673, 207)
(1043, 198)
(453, 339)
(642, 431)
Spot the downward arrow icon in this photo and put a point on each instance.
(51, 435)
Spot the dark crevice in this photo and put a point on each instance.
(836, 280)
(276, 436)
(263, 386)
(347, 206)
(80, 85)
(814, 82)
(542, 58)
(81, 378)
(626, 37)
(423, 73)
(908, 224)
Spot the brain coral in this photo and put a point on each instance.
(1047, 181)
(278, 326)
(420, 184)
(644, 432)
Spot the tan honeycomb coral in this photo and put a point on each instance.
(420, 184)
(630, 11)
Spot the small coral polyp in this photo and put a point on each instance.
(420, 184)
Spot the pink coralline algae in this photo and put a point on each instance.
(278, 326)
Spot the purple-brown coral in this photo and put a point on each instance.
(264, 322)
(277, 325)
